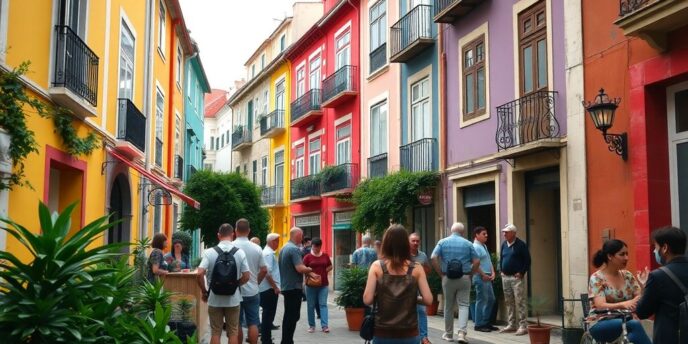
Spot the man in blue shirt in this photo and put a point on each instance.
(365, 255)
(484, 295)
(515, 263)
(455, 259)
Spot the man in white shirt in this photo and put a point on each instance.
(269, 288)
(250, 306)
(222, 308)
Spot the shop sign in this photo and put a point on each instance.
(307, 220)
(425, 198)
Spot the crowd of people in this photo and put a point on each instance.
(397, 289)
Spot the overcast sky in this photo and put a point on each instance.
(228, 31)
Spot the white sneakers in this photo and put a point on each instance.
(521, 331)
(460, 337)
(447, 337)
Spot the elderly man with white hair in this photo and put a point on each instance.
(269, 288)
(365, 255)
(455, 259)
(515, 263)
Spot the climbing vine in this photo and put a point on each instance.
(75, 145)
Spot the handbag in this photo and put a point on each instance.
(368, 326)
(314, 281)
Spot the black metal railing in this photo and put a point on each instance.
(307, 186)
(419, 156)
(158, 152)
(377, 166)
(340, 177)
(529, 118)
(179, 167)
(271, 121)
(240, 135)
(630, 6)
(76, 65)
(131, 124)
(415, 25)
(378, 57)
(191, 171)
(271, 195)
(309, 101)
(345, 79)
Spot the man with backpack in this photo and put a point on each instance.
(455, 259)
(665, 293)
(226, 269)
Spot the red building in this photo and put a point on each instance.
(637, 51)
(325, 127)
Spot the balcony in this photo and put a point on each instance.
(131, 130)
(75, 82)
(527, 125)
(340, 86)
(411, 34)
(448, 11)
(306, 108)
(378, 58)
(191, 170)
(419, 156)
(339, 180)
(272, 196)
(158, 152)
(241, 138)
(377, 166)
(272, 124)
(305, 189)
(652, 20)
(179, 167)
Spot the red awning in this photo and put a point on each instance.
(157, 180)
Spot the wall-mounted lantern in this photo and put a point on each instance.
(602, 111)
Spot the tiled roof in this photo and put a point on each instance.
(214, 101)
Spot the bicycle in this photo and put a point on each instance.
(623, 314)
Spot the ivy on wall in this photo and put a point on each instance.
(75, 145)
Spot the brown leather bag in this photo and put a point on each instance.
(314, 281)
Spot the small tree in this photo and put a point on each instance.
(224, 198)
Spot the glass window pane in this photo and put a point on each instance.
(528, 69)
(479, 52)
(470, 95)
(681, 101)
(541, 18)
(425, 87)
(542, 63)
(468, 58)
(682, 178)
(481, 88)
(414, 92)
(527, 26)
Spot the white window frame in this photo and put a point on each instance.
(378, 24)
(418, 103)
(343, 142)
(314, 157)
(299, 170)
(674, 140)
(162, 28)
(180, 59)
(124, 61)
(264, 169)
(378, 131)
(278, 182)
(159, 113)
(344, 50)
(315, 72)
(178, 138)
(300, 81)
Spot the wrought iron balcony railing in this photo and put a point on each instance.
(158, 152)
(343, 82)
(308, 102)
(377, 165)
(179, 167)
(419, 156)
(272, 195)
(527, 119)
(630, 6)
(411, 34)
(378, 58)
(76, 65)
(448, 11)
(271, 122)
(339, 179)
(240, 136)
(131, 124)
(305, 187)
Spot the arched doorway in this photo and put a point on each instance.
(120, 208)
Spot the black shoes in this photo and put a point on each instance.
(275, 327)
(483, 328)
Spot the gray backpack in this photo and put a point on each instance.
(682, 307)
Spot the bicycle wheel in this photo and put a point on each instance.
(587, 339)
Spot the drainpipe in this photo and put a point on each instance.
(171, 118)
(443, 124)
(147, 84)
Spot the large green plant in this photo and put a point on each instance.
(353, 282)
(42, 300)
(381, 200)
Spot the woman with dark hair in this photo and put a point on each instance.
(316, 295)
(393, 285)
(613, 287)
(177, 260)
(157, 266)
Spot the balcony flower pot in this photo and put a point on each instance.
(353, 281)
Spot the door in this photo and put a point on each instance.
(677, 112)
(424, 224)
(344, 246)
(72, 14)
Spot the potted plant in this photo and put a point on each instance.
(435, 283)
(539, 333)
(570, 333)
(353, 281)
(183, 326)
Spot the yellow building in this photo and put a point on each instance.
(116, 67)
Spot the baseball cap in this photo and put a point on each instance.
(509, 228)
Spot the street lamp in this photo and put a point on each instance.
(602, 111)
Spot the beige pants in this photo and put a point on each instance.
(515, 300)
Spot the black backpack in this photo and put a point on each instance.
(454, 269)
(225, 280)
(682, 307)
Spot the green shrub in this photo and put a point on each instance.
(353, 282)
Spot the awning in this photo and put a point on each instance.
(157, 180)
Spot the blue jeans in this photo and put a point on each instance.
(609, 330)
(484, 301)
(318, 294)
(249, 311)
(422, 321)
(410, 340)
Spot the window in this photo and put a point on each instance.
(227, 136)
(255, 171)
(161, 28)
(279, 96)
(266, 94)
(343, 54)
(300, 82)
(314, 159)
(378, 128)
(212, 143)
(421, 120)
(532, 37)
(126, 63)
(279, 168)
(283, 42)
(264, 171)
(473, 78)
(222, 141)
(299, 161)
(217, 143)
(237, 169)
(378, 35)
(314, 80)
(253, 71)
(245, 170)
(180, 58)
(73, 14)
(177, 134)
(159, 111)
(343, 144)
(262, 61)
